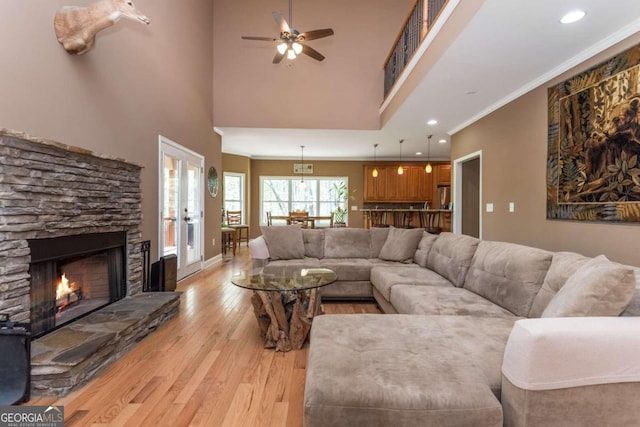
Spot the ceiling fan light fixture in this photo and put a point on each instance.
(291, 54)
(297, 47)
(282, 48)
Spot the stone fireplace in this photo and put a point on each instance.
(50, 191)
(71, 258)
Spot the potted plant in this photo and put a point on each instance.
(341, 194)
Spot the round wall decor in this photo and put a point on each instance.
(212, 181)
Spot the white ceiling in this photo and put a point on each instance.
(508, 48)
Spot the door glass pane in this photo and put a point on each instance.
(171, 189)
(192, 213)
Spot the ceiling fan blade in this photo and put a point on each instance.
(266, 39)
(312, 52)
(278, 57)
(315, 34)
(282, 23)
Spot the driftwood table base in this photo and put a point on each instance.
(285, 317)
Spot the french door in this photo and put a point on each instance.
(181, 215)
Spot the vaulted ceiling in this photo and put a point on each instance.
(487, 53)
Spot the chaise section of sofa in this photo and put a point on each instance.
(405, 370)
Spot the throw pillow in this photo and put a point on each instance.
(284, 242)
(598, 288)
(422, 253)
(401, 244)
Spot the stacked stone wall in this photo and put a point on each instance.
(48, 189)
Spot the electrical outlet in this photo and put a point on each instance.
(512, 207)
(354, 208)
(213, 241)
(489, 207)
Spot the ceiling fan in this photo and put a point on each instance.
(291, 42)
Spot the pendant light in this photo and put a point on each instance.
(374, 172)
(428, 168)
(400, 168)
(302, 184)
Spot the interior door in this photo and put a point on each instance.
(181, 192)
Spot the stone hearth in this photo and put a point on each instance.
(71, 355)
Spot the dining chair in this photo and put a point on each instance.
(234, 220)
(299, 217)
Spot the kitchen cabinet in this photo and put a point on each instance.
(375, 189)
(443, 174)
(414, 185)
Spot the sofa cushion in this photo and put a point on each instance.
(378, 237)
(286, 266)
(352, 289)
(507, 274)
(349, 268)
(424, 247)
(284, 242)
(391, 370)
(563, 265)
(401, 244)
(598, 288)
(384, 278)
(451, 256)
(313, 243)
(441, 300)
(347, 243)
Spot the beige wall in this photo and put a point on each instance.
(139, 82)
(352, 170)
(337, 93)
(513, 141)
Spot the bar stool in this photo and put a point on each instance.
(378, 218)
(430, 221)
(234, 220)
(402, 219)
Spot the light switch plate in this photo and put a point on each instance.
(354, 208)
(512, 207)
(489, 207)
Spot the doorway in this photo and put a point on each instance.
(181, 215)
(467, 173)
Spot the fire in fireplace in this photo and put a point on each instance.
(72, 276)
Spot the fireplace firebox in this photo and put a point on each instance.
(72, 276)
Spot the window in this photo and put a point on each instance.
(281, 195)
(233, 190)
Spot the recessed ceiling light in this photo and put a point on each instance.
(419, 153)
(442, 141)
(573, 16)
(432, 122)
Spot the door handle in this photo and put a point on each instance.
(187, 218)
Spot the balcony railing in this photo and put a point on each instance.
(415, 29)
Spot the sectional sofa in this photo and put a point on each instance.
(475, 333)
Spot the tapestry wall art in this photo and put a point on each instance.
(593, 167)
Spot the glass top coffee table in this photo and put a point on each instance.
(285, 300)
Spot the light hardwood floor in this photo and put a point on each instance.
(205, 367)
